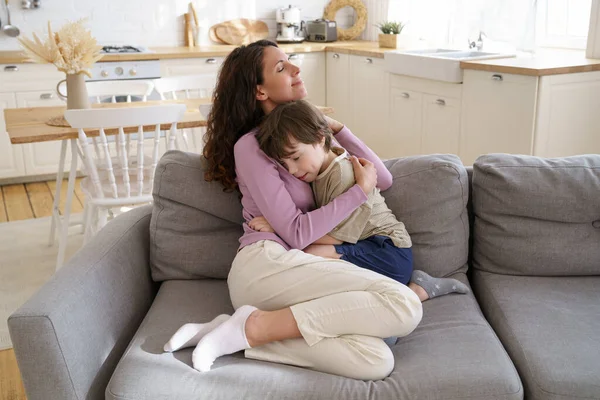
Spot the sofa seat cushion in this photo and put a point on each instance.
(550, 327)
(453, 354)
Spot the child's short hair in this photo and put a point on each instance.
(297, 119)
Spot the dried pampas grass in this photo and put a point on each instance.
(72, 49)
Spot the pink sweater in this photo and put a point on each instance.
(268, 189)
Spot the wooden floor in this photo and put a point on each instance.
(18, 202)
(34, 200)
(11, 386)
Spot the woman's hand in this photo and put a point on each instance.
(335, 125)
(365, 174)
(261, 224)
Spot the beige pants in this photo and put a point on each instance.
(342, 310)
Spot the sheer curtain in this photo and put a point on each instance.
(507, 24)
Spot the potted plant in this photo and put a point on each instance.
(390, 31)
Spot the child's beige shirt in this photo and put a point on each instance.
(372, 218)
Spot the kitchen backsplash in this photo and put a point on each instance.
(151, 23)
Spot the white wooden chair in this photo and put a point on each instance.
(187, 87)
(101, 91)
(128, 181)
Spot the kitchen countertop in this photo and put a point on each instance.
(552, 63)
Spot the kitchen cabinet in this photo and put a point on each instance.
(568, 115)
(441, 125)
(338, 85)
(27, 85)
(498, 114)
(206, 66)
(369, 102)
(11, 156)
(548, 116)
(424, 117)
(41, 158)
(313, 73)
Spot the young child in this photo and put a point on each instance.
(298, 136)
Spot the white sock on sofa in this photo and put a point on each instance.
(190, 334)
(227, 338)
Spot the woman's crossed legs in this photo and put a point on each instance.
(322, 314)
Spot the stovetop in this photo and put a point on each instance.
(123, 49)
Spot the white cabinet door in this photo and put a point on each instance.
(208, 66)
(405, 123)
(441, 125)
(338, 86)
(41, 158)
(568, 119)
(11, 156)
(497, 115)
(312, 72)
(369, 101)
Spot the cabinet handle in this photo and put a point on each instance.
(405, 95)
(369, 60)
(336, 55)
(497, 77)
(11, 68)
(46, 96)
(211, 60)
(441, 102)
(293, 56)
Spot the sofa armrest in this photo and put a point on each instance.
(69, 337)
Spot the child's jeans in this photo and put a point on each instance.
(379, 254)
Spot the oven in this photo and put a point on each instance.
(125, 70)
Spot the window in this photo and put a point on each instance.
(563, 23)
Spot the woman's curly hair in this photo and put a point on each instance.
(235, 110)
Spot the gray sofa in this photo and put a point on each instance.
(96, 330)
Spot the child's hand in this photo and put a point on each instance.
(260, 224)
(365, 174)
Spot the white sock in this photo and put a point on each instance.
(227, 338)
(190, 334)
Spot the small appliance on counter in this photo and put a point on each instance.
(321, 30)
(289, 25)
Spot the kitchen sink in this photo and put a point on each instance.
(437, 64)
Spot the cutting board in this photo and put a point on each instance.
(240, 31)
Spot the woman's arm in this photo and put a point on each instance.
(260, 176)
(356, 147)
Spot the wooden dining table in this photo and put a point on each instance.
(29, 125)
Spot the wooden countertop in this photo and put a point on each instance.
(370, 49)
(551, 63)
(28, 125)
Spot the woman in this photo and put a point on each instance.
(292, 307)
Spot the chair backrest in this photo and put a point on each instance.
(101, 168)
(103, 90)
(185, 86)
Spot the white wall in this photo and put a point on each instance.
(593, 44)
(149, 22)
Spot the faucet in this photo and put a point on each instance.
(479, 43)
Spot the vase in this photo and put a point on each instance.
(77, 95)
(388, 40)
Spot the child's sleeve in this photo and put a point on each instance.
(339, 180)
(356, 147)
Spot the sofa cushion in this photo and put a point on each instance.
(549, 326)
(195, 226)
(536, 216)
(430, 195)
(453, 354)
